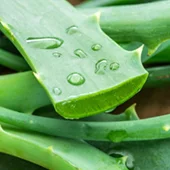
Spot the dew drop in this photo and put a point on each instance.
(96, 47)
(56, 54)
(114, 66)
(75, 79)
(45, 42)
(57, 91)
(80, 53)
(101, 66)
(72, 30)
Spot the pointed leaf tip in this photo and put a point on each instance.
(139, 50)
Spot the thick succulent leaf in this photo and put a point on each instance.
(13, 61)
(56, 153)
(75, 61)
(26, 89)
(128, 114)
(161, 55)
(146, 23)
(22, 92)
(144, 155)
(134, 130)
(158, 76)
(99, 3)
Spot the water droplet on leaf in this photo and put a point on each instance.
(114, 66)
(101, 66)
(56, 54)
(45, 42)
(75, 79)
(57, 91)
(72, 30)
(80, 53)
(96, 47)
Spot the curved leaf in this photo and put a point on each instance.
(76, 63)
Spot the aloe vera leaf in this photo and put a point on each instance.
(84, 74)
(13, 61)
(134, 130)
(146, 23)
(27, 88)
(161, 55)
(56, 153)
(128, 114)
(158, 76)
(22, 92)
(144, 155)
(7, 45)
(100, 3)
(131, 46)
(8, 162)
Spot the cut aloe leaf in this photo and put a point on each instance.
(56, 153)
(22, 92)
(76, 63)
(126, 24)
(128, 114)
(27, 89)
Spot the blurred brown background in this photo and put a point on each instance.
(150, 102)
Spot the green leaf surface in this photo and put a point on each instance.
(128, 114)
(161, 55)
(146, 23)
(13, 61)
(56, 153)
(99, 3)
(134, 130)
(158, 76)
(26, 89)
(22, 92)
(142, 155)
(75, 61)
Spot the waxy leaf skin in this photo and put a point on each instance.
(56, 153)
(82, 70)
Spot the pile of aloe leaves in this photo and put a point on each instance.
(63, 71)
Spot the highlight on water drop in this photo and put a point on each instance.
(114, 66)
(80, 53)
(57, 91)
(45, 42)
(57, 54)
(72, 30)
(75, 79)
(101, 66)
(96, 47)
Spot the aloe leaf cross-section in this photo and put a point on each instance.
(83, 71)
